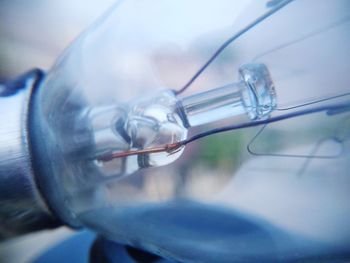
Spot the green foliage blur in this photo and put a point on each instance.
(222, 151)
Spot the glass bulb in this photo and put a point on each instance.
(116, 127)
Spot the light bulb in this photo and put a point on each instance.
(116, 116)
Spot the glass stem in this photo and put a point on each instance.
(253, 95)
(214, 105)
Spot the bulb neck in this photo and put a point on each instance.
(253, 95)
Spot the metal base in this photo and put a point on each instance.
(22, 209)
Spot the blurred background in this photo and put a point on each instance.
(34, 33)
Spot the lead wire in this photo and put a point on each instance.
(230, 41)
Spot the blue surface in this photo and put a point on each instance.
(75, 249)
(188, 232)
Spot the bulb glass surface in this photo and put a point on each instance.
(112, 91)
